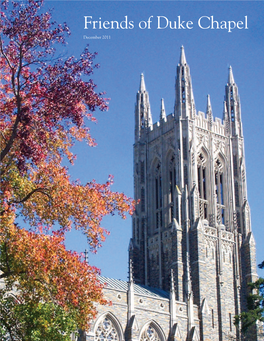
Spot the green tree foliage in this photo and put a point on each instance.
(34, 321)
(255, 305)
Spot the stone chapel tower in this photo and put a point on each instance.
(193, 219)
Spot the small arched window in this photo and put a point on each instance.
(107, 330)
(151, 333)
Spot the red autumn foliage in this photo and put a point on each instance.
(45, 105)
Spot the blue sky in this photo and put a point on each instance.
(125, 53)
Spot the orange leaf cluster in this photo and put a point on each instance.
(43, 270)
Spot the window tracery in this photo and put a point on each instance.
(219, 191)
(106, 331)
(201, 171)
(150, 334)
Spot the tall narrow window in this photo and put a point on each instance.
(202, 188)
(237, 194)
(185, 148)
(235, 165)
(183, 87)
(221, 189)
(232, 114)
(158, 192)
(142, 228)
(230, 321)
(183, 94)
(238, 221)
(172, 184)
(201, 177)
(158, 196)
(142, 172)
(185, 171)
(231, 94)
(219, 192)
(177, 209)
(204, 184)
(134, 227)
(142, 200)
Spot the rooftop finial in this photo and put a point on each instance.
(131, 280)
(225, 118)
(182, 57)
(209, 107)
(172, 281)
(142, 86)
(162, 110)
(230, 76)
(209, 112)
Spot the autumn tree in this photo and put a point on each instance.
(45, 106)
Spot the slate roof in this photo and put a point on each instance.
(139, 289)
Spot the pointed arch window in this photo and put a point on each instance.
(202, 176)
(106, 330)
(150, 334)
(202, 188)
(158, 196)
(219, 191)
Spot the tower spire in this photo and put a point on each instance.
(231, 80)
(143, 118)
(209, 111)
(184, 102)
(182, 56)
(209, 106)
(142, 86)
(233, 105)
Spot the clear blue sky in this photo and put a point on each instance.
(155, 52)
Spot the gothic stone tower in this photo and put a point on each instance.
(193, 218)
